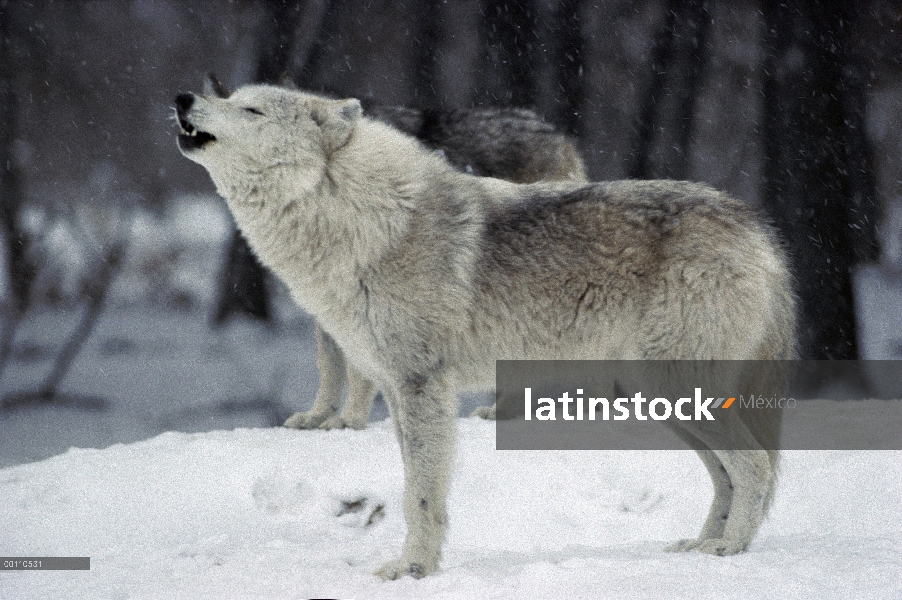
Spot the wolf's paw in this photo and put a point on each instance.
(399, 568)
(302, 420)
(684, 545)
(722, 547)
(485, 412)
(342, 421)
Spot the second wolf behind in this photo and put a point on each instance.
(508, 143)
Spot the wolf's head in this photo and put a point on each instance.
(261, 127)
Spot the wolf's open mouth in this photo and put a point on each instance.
(191, 138)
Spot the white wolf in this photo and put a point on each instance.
(424, 276)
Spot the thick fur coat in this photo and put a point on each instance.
(509, 143)
(424, 276)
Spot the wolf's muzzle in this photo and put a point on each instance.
(190, 138)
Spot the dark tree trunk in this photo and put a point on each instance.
(309, 77)
(276, 39)
(662, 54)
(677, 64)
(694, 24)
(567, 57)
(244, 283)
(511, 52)
(818, 183)
(10, 197)
(18, 270)
(426, 77)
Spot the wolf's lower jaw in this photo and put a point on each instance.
(192, 139)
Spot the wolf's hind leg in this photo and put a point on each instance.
(331, 363)
(720, 505)
(753, 477)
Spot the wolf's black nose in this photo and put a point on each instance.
(183, 102)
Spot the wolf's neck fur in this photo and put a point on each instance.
(324, 234)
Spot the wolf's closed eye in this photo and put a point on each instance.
(253, 110)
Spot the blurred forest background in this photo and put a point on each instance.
(792, 106)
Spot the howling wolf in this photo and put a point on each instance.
(424, 276)
(508, 143)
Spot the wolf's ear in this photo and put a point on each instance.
(212, 87)
(337, 120)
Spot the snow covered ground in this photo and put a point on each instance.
(275, 513)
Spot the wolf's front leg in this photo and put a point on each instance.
(331, 363)
(425, 426)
